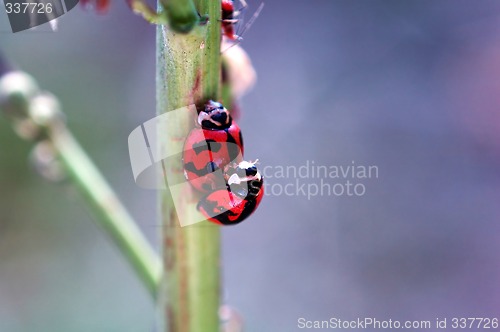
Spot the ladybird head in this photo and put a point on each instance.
(245, 180)
(214, 116)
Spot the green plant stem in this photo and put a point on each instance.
(182, 14)
(188, 71)
(211, 58)
(110, 214)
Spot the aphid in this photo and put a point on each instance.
(101, 6)
(240, 198)
(230, 18)
(211, 146)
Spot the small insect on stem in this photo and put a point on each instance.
(231, 17)
(100, 6)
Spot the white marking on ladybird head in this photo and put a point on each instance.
(243, 165)
(209, 116)
(246, 164)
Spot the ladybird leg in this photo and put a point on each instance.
(243, 7)
(233, 42)
(231, 21)
(251, 20)
(237, 37)
(237, 12)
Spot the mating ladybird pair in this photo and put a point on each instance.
(213, 164)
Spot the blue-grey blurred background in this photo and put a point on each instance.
(412, 87)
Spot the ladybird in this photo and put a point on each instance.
(211, 146)
(241, 197)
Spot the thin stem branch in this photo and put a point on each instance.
(22, 101)
(211, 58)
(110, 213)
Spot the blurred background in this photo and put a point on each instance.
(409, 86)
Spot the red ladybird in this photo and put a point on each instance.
(211, 147)
(240, 198)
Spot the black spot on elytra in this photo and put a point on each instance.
(227, 217)
(210, 167)
(191, 168)
(230, 218)
(241, 139)
(232, 149)
(207, 145)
